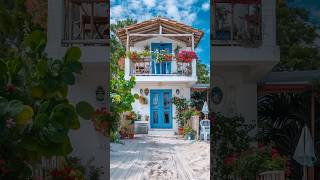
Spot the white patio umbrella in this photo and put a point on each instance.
(304, 153)
(205, 109)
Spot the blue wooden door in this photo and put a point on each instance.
(164, 67)
(161, 109)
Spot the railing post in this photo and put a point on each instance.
(194, 68)
(174, 66)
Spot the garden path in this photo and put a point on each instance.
(150, 158)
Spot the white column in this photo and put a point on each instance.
(55, 26)
(127, 69)
(194, 68)
(268, 22)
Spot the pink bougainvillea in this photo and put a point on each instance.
(187, 56)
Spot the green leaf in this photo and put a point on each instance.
(14, 66)
(35, 40)
(15, 107)
(41, 120)
(76, 67)
(42, 68)
(85, 110)
(55, 68)
(57, 133)
(29, 144)
(73, 54)
(3, 106)
(67, 77)
(3, 68)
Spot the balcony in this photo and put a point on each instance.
(86, 23)
(145, 69)
(237, 23)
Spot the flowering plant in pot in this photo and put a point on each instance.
(102, 121)
(250, 163)
(187, 56)
(134, 56)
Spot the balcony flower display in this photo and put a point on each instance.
(187, 56)
(102, 121)
(158, 56)
(134, 56)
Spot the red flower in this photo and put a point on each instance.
(67, 170)
(56, 173)
(274, 153)
(229, 160)
(260, 145)
(187, 56)
(11, 88)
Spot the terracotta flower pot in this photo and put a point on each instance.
(180, 131)
(131, 136)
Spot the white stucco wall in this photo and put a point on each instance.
(144, 109)
(239, 95)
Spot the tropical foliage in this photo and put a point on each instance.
(296, 37)
(35, 113)
(249, 164)
(230, 135)
(280, 120)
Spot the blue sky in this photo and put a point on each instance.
(195, 13)
(313, 6)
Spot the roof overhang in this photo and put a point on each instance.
(159, 27)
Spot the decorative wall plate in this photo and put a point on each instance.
(177, 91)
(141, 91)
(146, 91)
(216, 95)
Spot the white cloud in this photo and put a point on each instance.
(149, 3)
(183, 11)
(205, 6)
(116, 11)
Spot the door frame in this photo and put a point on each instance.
(161, 125)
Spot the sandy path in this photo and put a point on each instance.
(160, 158)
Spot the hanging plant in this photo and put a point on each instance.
(134, 56)
(187, 56)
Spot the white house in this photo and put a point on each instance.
(157, 83)
(244, 49)
(83, 23)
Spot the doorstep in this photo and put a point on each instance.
(161, 132)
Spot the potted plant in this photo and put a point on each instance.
(131, 132)
(181, 104)
(134, 56)
(255, 161)
(187, 56)
(189, 133)
(102, 120)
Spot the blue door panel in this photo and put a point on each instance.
(161, 109)
(164, 67)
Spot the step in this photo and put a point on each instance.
(161, 132)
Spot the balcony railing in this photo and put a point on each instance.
(237, 23)
(86, 23)
(147, 67)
